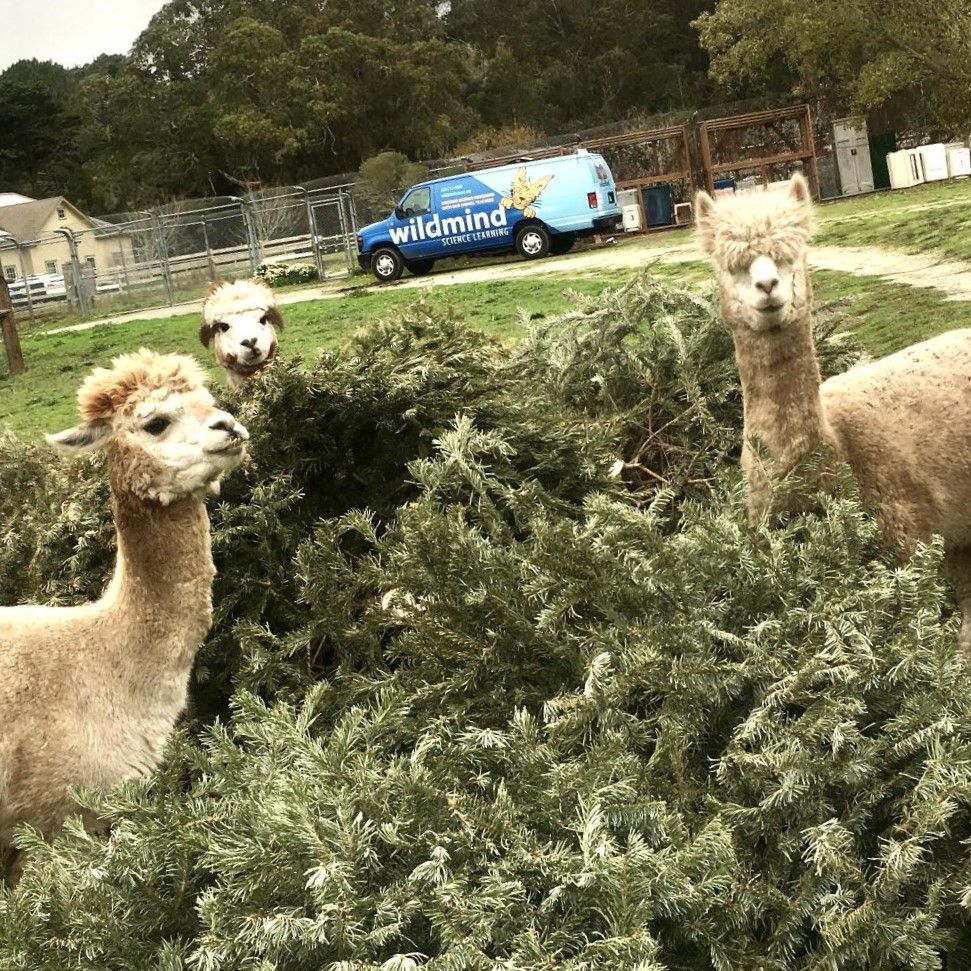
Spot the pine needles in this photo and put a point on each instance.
(472, 701)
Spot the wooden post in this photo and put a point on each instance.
(11, 342)
(806, 124)
(706, 158)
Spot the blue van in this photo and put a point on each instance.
(535, 207)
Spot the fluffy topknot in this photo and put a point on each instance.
(732, 230)
(133, 378)
(236, 296)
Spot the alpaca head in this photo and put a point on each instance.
(164, 434)
(240, 320)
(758, 244)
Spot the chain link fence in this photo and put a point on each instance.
(167, 255)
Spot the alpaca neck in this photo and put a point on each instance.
(780, 389)
(162, 586)
(784, 417)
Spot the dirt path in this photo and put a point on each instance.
(952, 277)
(629, 256)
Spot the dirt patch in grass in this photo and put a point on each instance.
(928, 270)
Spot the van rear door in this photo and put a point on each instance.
(604, 191)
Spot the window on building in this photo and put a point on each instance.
(50, 266)
(90, 261)
(10, 273)
(61, 212)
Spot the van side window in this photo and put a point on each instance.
(417, 202)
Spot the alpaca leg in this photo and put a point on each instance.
(959, 568)
(11, 865)
(16, 867)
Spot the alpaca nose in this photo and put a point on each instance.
(250, 342)
(767, 284)
(226, 423)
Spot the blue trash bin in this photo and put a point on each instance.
(658, 204)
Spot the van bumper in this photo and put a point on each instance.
(364, 261)
(608, 224)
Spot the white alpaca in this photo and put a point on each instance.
(89, 694)
(902, 423)
(240, 318)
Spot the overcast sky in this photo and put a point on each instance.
(69, 32)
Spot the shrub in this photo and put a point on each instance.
(382, 179)
(509, 138)
(287, 274)
(472, 700)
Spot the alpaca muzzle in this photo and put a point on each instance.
(236, 433)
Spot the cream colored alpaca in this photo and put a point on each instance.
(240, 318)
(902, 423)
(89, 694)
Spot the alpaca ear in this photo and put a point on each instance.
(705, 221)
(274, 317)
(84, 438)
(205, 331)
(799, 189)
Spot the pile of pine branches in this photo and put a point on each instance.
(500, 678)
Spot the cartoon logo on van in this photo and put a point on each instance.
(524, 193)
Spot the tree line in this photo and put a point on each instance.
(221, 96)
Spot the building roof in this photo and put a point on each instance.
(13, 199)
(25, 221)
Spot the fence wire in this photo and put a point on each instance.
(168, 255)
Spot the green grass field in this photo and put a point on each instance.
(43, 399)
(934, 217)
(927, 217)
(885, 316)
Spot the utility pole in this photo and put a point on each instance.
(11, 342)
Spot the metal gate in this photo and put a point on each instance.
(334, 234)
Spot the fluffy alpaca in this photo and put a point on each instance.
(240, 318)
(902, 423)
(89, 694)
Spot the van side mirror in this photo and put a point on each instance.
(399, 212)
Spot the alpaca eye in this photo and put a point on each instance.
(221, 326)
(157, 425)
(265, 318)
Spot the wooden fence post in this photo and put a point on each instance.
(11, 342)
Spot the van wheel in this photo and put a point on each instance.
(532, 242)
(421, 267)
(387, 264)
(562, 244)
